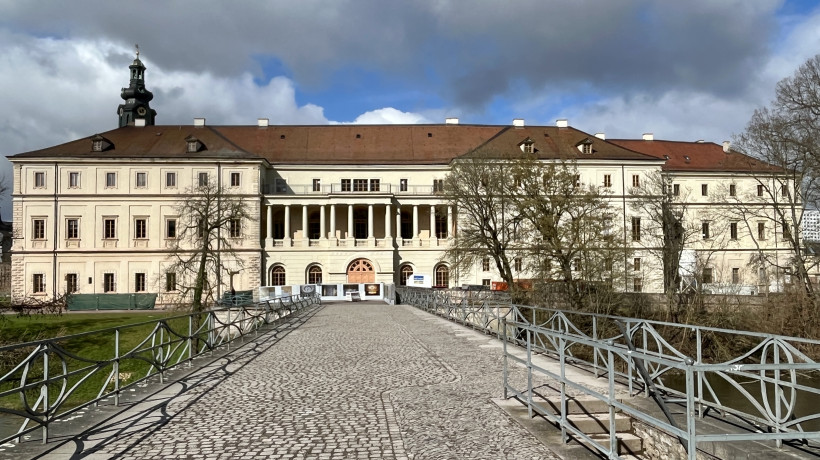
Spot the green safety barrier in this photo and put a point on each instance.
(77, 302)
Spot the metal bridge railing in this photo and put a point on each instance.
(766, 391)
(51, 380)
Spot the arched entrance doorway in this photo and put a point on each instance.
(361, 271)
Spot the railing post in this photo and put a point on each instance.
(529, 373)
(691, 440)
(564, 409)
(191, 340)
(116, 367)
(595, 340)
(46, 405)
(699, 396)
(613, 442)
(504, 357)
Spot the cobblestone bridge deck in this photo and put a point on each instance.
(348, 380)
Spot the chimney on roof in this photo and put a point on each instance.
(262, 122)
(518, 122)
(561, 123)
(139, 122)
(451, 121)
(199, 122)
(726, 145)
(601, 136)
(648, 137)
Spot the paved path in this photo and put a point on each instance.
(356, 380)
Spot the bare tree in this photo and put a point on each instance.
(210, 220)
(477, 186)
(786, 136)
(570, 227)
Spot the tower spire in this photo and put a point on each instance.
(136, 97)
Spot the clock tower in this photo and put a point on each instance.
(136, 97)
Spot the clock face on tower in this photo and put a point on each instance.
(141, 111)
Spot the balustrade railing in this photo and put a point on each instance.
(768, 392)
(47, 380)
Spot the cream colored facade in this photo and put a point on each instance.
(330, 210)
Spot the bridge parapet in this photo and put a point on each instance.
(766, 392)
(52, 380)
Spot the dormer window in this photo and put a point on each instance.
(192, 144)
(585, 146)
(527, 146)
(100, 144)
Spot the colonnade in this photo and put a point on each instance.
(392, 214)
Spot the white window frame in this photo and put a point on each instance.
(144, 176)
(39, 179)
(110, 179)
(73, 179)
(172, 183)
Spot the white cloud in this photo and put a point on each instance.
(391, 116)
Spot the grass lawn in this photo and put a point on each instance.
(91, 349)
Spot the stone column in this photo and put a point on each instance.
(388, 232)
(450, 230)
(370, 232)
(350, 221)
(288, 236)
(269, 228)
(415, 221)
(432, 221)
(398, 221)
(305, 237)
(322, 227)
(332, 234)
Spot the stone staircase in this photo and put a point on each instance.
(591, 416)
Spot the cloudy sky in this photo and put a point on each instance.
(686, 70)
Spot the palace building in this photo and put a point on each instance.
(333, 204)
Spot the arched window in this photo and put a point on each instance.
(405, 272)
(314, 275)
(277, 276)
(442, 276)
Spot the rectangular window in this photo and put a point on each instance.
(108, 283)
(235, 179)
(235, 228)
(732, 190)
(39, 180)
(281, 185)
(636, 180)
(485, 282)
(359, 185)
(787, 233)
(170, 179)
(759, 189)
(438, 185)
(485, 264)
(142, 180)
(402, 185)
(733, 230)
(38, 283)
(761, 230)
(139, 282)
(636, 229)
(375, 185)
(317, 185)
(38, 229)
(72, 228)
(735, 276)
(170, 228)
(140, 228)
(346, 185)
(576, 180)
(704, 189)
(636, 264)
(637, 285)
(203, 179)
(676, 189)
(71, 283)
(707, 275)
(784, 191)
(607, 180)
(109, 228)
(704, 230)
(110, 179)
(170, 282)
(518, 264)
(73, 180)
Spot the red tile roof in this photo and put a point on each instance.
(695, 156)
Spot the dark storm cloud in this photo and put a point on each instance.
(468, 52)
